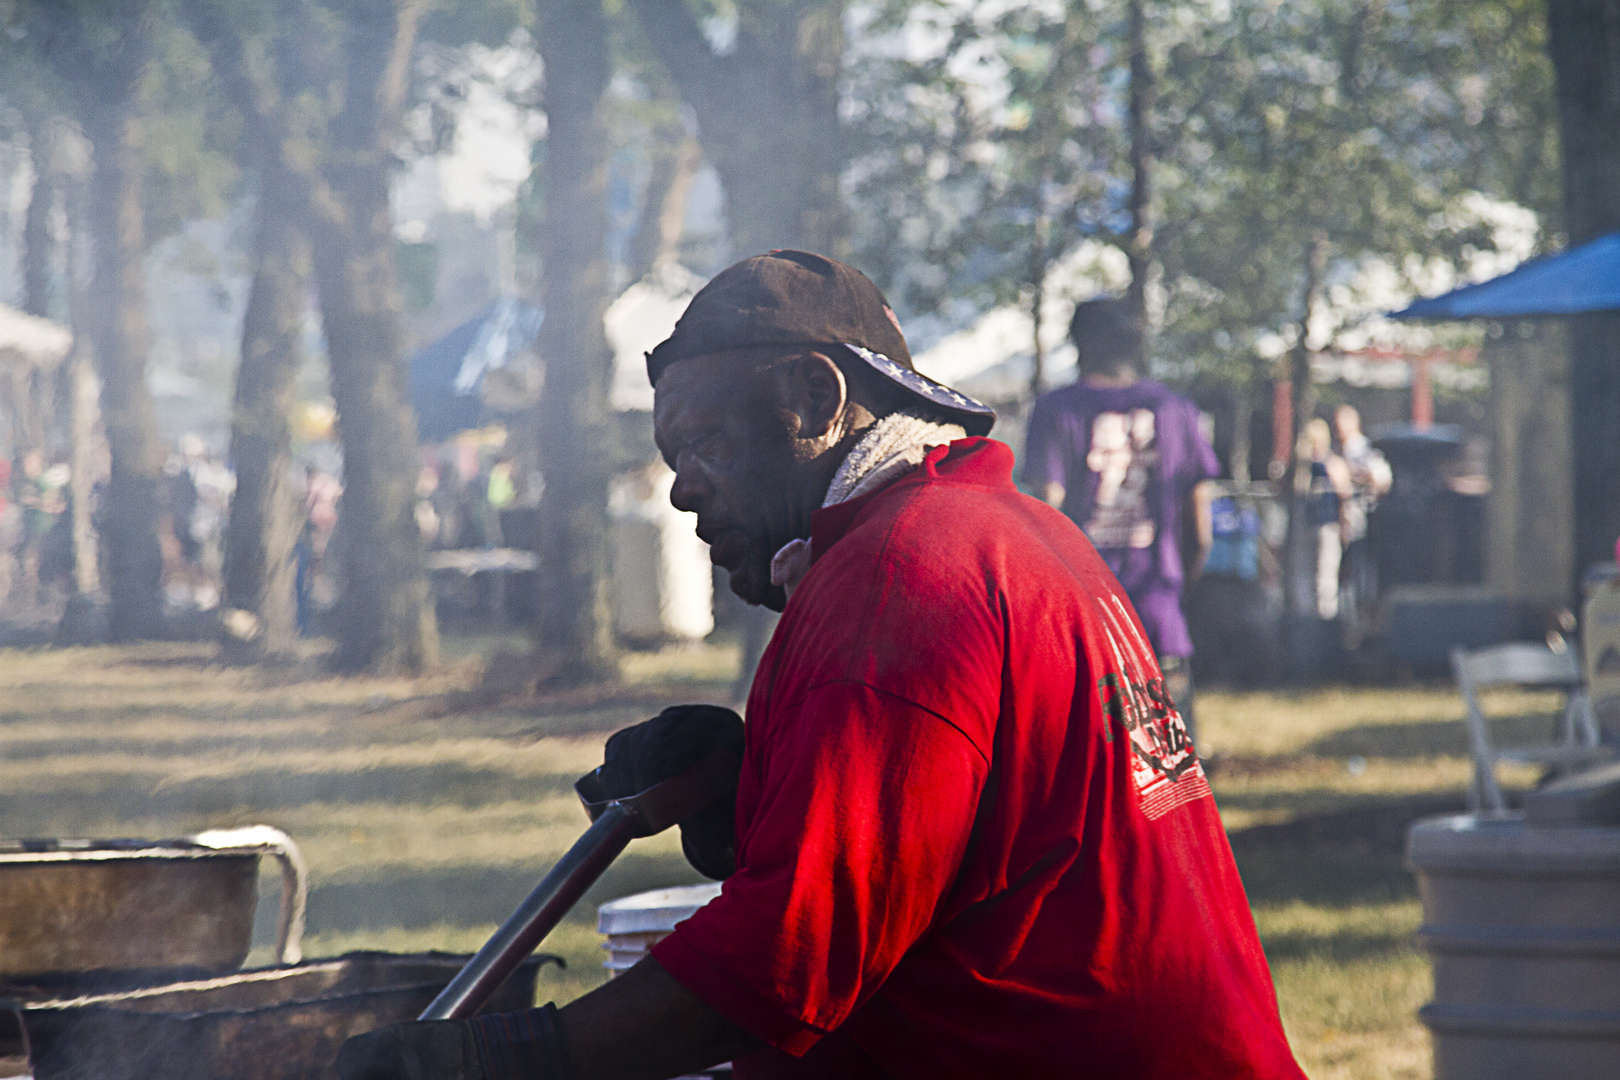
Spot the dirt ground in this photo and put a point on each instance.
(426, 814)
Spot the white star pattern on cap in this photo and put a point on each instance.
(920, 384)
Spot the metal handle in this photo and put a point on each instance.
(615, 822)
(269, 840)
(536, 917)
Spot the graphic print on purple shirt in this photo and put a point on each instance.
(1127, 459)
(1124, 454)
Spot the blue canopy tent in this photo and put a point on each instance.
(1584, 280)
(446, 376)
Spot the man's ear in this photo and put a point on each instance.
(816, 392)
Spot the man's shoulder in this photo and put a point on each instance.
(1076, 395)
(1080, 396)
(1161, 396)
(956, 534)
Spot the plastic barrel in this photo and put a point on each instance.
(1522, 925)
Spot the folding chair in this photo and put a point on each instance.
(1527, 665)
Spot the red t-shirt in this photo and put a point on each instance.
(972, 838)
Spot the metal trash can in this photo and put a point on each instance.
(1523, 927)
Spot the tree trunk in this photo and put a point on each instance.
(1242, 440)
(1037, 301)
(575, 619)
(1299, 591)
(119, 334)
(767, 115)
(1139, 246)
(82, 617)
(385, 617)
(36, 253)
(657, 238)
(1584, 42)
(264, 511)
(35, 387)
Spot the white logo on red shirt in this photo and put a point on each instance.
(1164, 764)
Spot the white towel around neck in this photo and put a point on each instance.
(890, 448)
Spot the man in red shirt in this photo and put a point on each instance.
(971, 836)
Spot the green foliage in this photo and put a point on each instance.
(52, 55)
(977, 160)
(193, 137)
(418, 273)
(987, 144)
(1360, 123)
(483, 22)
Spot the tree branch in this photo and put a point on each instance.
(395, 80)
(702, 78)
(258, 103)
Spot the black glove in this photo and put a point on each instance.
(667, 745)
(425, 1050)
(504, 1046)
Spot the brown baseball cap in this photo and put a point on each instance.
(798, 298)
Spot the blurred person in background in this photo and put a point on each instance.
(1326, 479)
(427, 518)
(1125, 457)
(56, 546)
(1370, 478)
(502, 484)
(215, 482)
(38, 491)
(181, 487)
(322, 493)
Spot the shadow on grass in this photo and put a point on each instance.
(1421, 740)
(1343, 947)
(1335, 860)
(111, 795)
(474, 896)
(203, 715)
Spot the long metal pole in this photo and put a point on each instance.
(537, 916)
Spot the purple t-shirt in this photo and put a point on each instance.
(1127, 458)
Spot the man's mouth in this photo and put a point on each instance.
(726, 549)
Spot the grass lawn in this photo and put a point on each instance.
(1316, 790)
(426, 816)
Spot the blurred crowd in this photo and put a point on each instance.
(1347, 477)
(462, 490)
(36, 538)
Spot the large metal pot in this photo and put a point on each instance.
(79, 905)
(280, 1023)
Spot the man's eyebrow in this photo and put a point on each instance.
(673, 443)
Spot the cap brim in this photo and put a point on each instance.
(975, 416)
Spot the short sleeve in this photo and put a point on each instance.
(1044, 461)
(866, 803)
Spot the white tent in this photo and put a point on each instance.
(28, 341)
(663, 583)
(642, 316)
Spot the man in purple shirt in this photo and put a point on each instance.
(1125, 458)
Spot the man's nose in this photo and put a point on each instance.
(688, 491)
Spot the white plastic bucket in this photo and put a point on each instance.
(634, 924)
